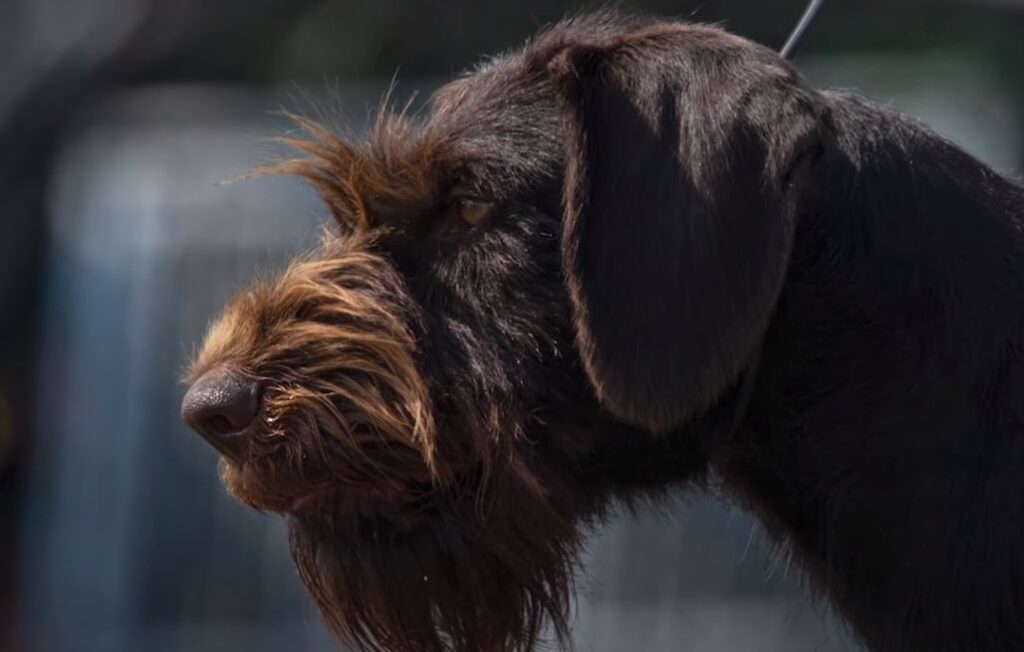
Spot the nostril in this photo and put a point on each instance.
(221, 425)
(220, 406)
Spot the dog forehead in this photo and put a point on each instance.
(510, 104)
(503, 110)
(500, 82)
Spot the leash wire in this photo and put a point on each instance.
(793, 42)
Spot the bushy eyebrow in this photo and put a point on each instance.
(398, 170)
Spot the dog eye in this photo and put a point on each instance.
(474, 211)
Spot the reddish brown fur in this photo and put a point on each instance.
(331, 342)
(348, 422)
(397, 171)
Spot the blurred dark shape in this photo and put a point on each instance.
(7, 446)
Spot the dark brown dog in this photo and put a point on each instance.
(629, 256)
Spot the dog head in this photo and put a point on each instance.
(528, 294)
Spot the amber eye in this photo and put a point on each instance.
(473, 211)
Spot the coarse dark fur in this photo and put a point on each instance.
(695, 266)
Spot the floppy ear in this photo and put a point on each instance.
(681, 180)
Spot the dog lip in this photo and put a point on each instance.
(231, 446)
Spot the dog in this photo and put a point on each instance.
(633, 258)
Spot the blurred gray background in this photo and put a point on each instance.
(118, 121)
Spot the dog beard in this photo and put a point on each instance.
(464, 571)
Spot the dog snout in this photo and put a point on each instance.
(220, 405)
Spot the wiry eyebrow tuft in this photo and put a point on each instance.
(398, 169)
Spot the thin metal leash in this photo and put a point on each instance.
(793, 42)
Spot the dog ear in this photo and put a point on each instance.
(683, 166)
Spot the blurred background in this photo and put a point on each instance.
(118, 120)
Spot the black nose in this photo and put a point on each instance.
(219, 406)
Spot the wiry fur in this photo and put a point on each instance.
(694, 264)
(332, 344)
(406, 539)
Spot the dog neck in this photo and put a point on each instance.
(861, 451)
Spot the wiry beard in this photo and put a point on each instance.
(465, 571)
